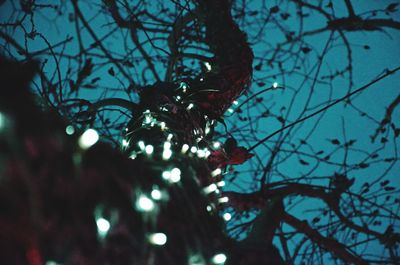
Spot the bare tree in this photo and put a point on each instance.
(183, 92)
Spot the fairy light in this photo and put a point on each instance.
(158, 239)
(167, 145)
(201, 153)
(183, 85)
(208, 66)
(275, 85)
(216, 145)
(88, 138)
(144, 204)
(156, 194)
(70, 130)
(227, 216)
(167, 153)
(169, 138)
(166, 175)
(103, 226)
(211, 188)
(221, 183)
(141, 145)
(193, 149)
(190, 106)
(209, 208)
(175, 175)
(235, 102)
(185, 148)
(219, 258)
(125, 143)
(133, 155)
(223, 200)
(230, 110)
(216, 172)
(162, 125)
(208, 153)
(149, 149)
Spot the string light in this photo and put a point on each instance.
(193, 149)
(227, 216)
(219, 258)
(208, 66)
(185, 148)
(125, 143)
(70, 130)
(88, 138)
(158, 239)
(144, 204)
(223, 200)
(216, 145)
(275, 85)
(166, 175)
(167, 153)
(230, 110)
(211, 188)
(141, 145)
(149, 149)
(235, 102)
(175, 175)
(216, 172)
(156, 194)
(190, 106)
(221, 183)
(103, 226)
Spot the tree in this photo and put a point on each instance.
(165, 184)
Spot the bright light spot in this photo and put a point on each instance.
(208, 153)
(209, 208)
(210, 188)
(230, 110)
(208, 66)
(167, 153)
(50, 262)
(166, 175)
(201, 79)
(235, 102)
(133, 155)
(216, 145)
(169, 138)
(185, 148)
(223, 199)
(102, 226)
(216, 172)
(196, 260)
(201, 153)
(193, 149)
(219, 258)
(156, 194)
(221, 183)
(167, 145)
(144, 204)
(227, 216)
(207, 130)
(162, 124)
(190, 106)
(88, 138)
(158, 239)
(175, 175)
(149, 149)
(275, 85)
(141, 145)
(68, 130)
(125, 143)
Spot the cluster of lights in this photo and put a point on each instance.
(173, 175)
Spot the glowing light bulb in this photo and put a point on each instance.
(167, 145)
(169, 138)
(235, 102)
(167, 153)
(88, 138)
(156, 194)
(216, 145)
(190, 106)
(149, 149)
(102, 226)
(70, 130)
(201, 153)
(223, 199)
(221, 183)
(227, 216)
(208, 66)
(185, 148)
(51, 262)
(141, 145)
(216, 172)
(175, 175)
(275, 85)
(133, 155)
(230, 110)
(211, 188)
(219, 258)
(209, 208)
(158, 239)
(125, 143)
(144, 204)
(162, 125)
(193, 149)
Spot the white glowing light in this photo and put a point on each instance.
(166, 175)
(51, 262)
(185, 148)
(219, 258)
(227, 216)
(209, 208)
(275, 85)
(158, 239)
(193, 149)
(102, 226)
(223, 199)
(144, 204)
(141, 145)
(190, 106)
(169, 138)
(216, 145)
(208, 153)
(162, 125)
(201, 153)
(125, 143)
(175, 175)
(167, 145)
(221, 183)
(230, 110)
(149, 149)
(211, 188)
(70, 130)
(201, 79)
(208, 66)
(207, 130)
(167, 153)
(216, 172)
(156, 194)
(133, 155)
(88, 138)
(235, 102)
